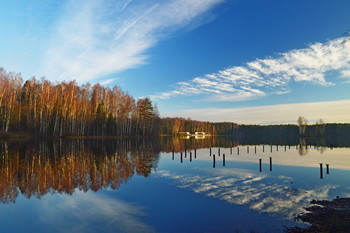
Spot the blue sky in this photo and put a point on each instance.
(247, 61)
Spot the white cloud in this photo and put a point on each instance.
(329, 111)
(89, 212)
(267, 76)
(346, 74)
(256, 190)
(94, 38)
(107, 81)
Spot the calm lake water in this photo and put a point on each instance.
(171, 185)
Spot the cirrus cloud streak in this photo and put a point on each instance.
(94, 38)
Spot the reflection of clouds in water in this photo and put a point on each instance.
(258, 191)
(89, 212)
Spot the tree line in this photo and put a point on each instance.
(41, 107)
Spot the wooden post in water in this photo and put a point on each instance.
(231, 151)
(270, 163)
(223, 160)
(181, 158)
(271, 148)
(263, 148)
(219, 151)
(276, 147)
(248, 149)
(173, 155)
(327, 168)
(195, 153)
(321, 171)
(260, 167)
(213, 160)
(255, 149)
(190, 156)
(237, 150)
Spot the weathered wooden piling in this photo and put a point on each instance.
(260, 166)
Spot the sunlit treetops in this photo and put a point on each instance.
(61, 109)
(43, 108)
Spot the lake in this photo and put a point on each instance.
(166, 185)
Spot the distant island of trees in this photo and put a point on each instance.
(46, 109)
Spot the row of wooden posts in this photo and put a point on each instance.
(214, 160)
(210, 152)
(255, 151)
(224, 160)
(321, 170)
(181, 155)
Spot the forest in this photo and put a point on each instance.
(41, 108)
(36, 168)
(44, 109)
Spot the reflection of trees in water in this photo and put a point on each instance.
(177, 144)
(303, 147)
(63, 166)
(41, 167)
(305, 143)
(302, 151)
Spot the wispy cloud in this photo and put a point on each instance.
(94, 38)
(89, 212)
(107, 81)
(258, 191)
(268, 76)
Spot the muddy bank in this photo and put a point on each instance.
(325, 216)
